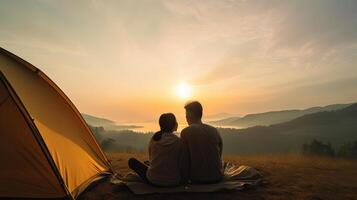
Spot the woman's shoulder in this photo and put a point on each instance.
(167, 136)
(173, 135)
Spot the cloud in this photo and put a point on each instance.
(317, 24)
(286, 34)
(134, 47)
(340, 90)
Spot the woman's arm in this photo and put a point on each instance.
(149, 150)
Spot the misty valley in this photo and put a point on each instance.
(280, 132)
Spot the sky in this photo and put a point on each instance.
(125, 59)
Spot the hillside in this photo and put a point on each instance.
(105, 123)
(273, 150)
(286, 177)
(128, 140)
(336, 127)
(219, 116)
(273, 117)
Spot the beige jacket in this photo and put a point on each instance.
(164, 158)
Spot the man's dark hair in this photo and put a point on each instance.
(195, 108)
(167, 123)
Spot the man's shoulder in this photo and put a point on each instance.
(209, 126)
(198, 127)
(190, 129)
(187, 130)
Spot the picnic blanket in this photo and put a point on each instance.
(235, 178)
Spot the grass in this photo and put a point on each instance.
(286, 177)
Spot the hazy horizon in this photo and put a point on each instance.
(206, 117)
(130, 60)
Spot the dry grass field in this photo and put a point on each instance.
(286, 177)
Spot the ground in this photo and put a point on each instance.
(286, 177)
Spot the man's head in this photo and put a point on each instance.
(193, 112)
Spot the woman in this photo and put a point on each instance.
(164, 152)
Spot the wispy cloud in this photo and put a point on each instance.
(144, 47)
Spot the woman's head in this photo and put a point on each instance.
(168, 122)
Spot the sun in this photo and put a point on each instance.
(184, 91)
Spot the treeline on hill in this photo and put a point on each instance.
(346, 150)
(123, 140)
(339, 127)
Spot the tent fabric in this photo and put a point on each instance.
(235, 178)
(20, 152)
(72, 146)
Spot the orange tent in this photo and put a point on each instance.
(46, 148)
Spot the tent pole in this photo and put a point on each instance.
(36, 134)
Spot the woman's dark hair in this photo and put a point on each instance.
(167, 123)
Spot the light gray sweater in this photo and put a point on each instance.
(164, 156)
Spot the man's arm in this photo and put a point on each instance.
(184, 158)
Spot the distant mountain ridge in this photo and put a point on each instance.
(106, 123)
(273, 117)
(219, 116)
(96, 120)
(335, 127)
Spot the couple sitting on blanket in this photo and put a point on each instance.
(194, 157)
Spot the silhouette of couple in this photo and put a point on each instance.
(194, 157)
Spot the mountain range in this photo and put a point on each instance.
(219, 116)
(336, 124)
(336, 127)
(106, 123)
(272, 117)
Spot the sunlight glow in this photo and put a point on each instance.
(184, 91)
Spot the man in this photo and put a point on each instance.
(201, 148)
